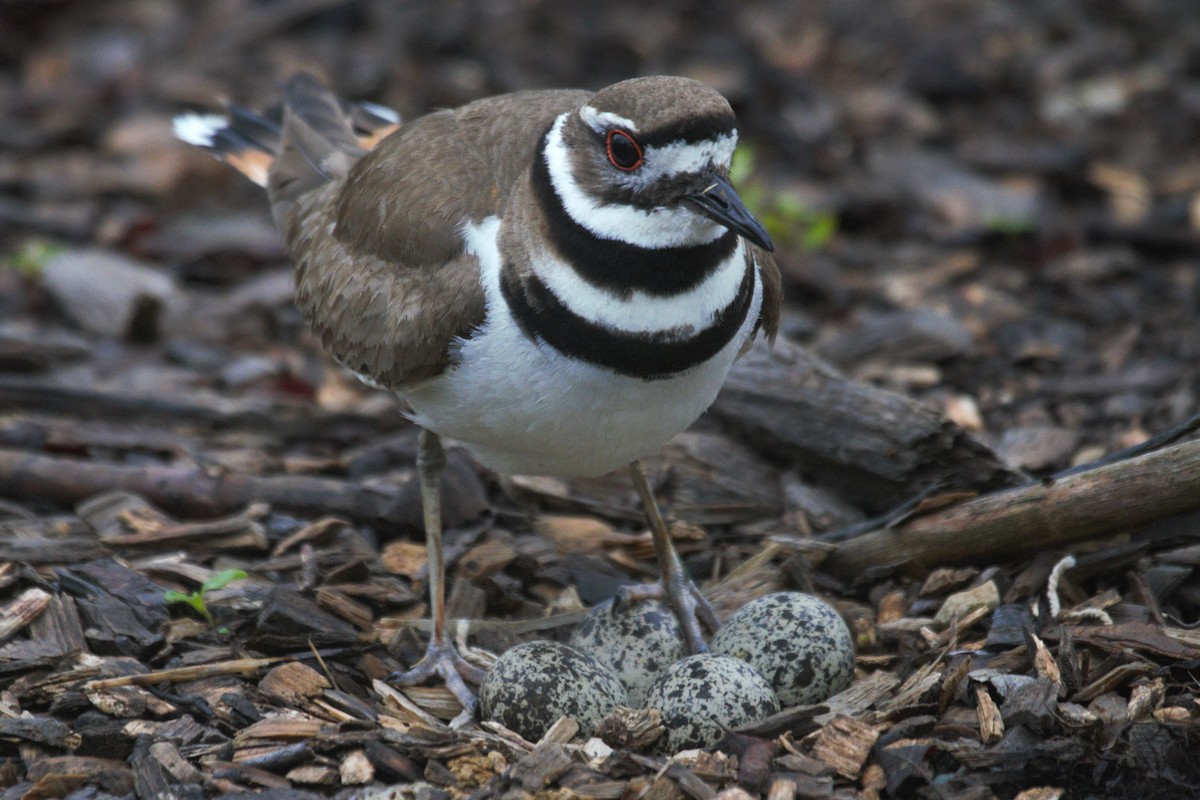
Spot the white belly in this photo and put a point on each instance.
(523, 407)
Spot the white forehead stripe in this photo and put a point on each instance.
(682, 157)
(601, 121)
(654, 228)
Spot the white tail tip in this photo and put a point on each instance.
(199, 129)
(383, 112)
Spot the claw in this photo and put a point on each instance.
(443, 659)
(675, 588)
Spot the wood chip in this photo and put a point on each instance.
(859, 696)
(781, 789)
(1116, 678)
(292, 683)
(19, 613)
(733, 793)
(357, 614)
(893, 606)
(541, 766)
(180, 769)
(486, 559)
(945, 579)
(844, 744)
(562, 731)
(476, 769)
(314, 775)
(111, 775)
(1145, 699)
(1041, 793)
(631, 728)
(356, 769)
(991, 724)
(405, 558)
(1031, 704)
(1045, 664)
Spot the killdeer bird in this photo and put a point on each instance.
(560, 280)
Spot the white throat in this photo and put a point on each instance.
(655, 228)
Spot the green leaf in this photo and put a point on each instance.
(222, 578)
(197, 602)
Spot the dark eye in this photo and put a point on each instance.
(623, 151)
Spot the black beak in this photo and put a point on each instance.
(721, 203)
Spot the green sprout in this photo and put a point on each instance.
(785, 215)
(196, 598)
(1011, 225)
(30, 258)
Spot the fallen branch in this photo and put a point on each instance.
(279, 418)
(1017, 522)
(198, 492)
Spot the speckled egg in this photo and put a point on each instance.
(637, 642)
(701, 694)
(798, 642)
(535, 683)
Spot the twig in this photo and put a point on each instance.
(238, 666)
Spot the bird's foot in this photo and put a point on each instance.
(442, 658)
(684, 597)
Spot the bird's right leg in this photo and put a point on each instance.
(441, 657)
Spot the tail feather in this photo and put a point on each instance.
(263, 130)
(314, 137)
(372, 122)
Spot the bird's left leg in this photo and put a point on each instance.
(675, 587)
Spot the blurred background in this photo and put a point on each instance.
(989, 207)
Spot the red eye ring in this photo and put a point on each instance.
(624, 152)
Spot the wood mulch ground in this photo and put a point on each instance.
(975, 437)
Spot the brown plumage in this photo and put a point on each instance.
(381, 274)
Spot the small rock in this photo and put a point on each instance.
(959, 604)
(1037, 446)
(109, 294)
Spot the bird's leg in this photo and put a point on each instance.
(441, 657)
(675, 587)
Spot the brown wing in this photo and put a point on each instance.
(376, 238)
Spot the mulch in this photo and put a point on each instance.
(974, 437)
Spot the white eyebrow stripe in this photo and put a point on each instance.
(601, 121)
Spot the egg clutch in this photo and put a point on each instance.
(781, 650)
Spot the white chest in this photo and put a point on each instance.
(521, 406)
